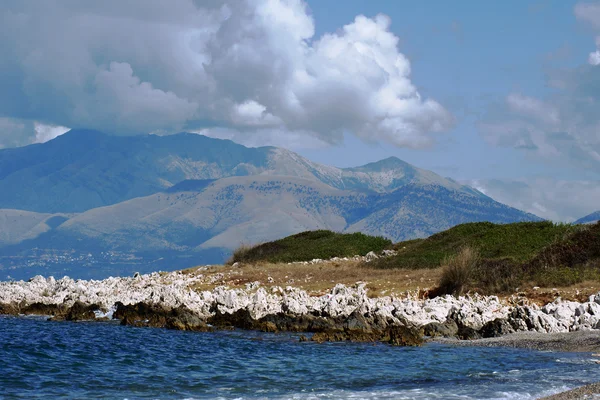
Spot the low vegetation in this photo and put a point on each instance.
(519, 242)
(458, 271)
(571, 258)
(475, 257)
(309, 245)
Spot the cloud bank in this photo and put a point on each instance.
(563, 127)
(252, 67)
(556, 200)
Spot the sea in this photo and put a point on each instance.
(41, 359)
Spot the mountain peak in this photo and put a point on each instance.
(387, 164)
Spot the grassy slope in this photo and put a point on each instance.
(309, 245)
(508, 256)
(519, 242)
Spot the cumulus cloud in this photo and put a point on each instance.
(590, 13)
(250, 66)
(556, 200)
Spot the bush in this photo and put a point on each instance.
(498, 276)
(458, 271)
(520, 241)
(239, 254)
(309, 245)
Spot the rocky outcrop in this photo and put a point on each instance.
(157, 316)
(345, 313)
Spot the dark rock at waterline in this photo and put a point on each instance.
(464, 332)
(141, 314)
(151, 315)
(496, 328)
(443, 329)
(467, 333)
(394, 335)
(404, 336)
(242, 319)
(239, 319)
(9, 309)
(357, 321)
(57, 312)
(183, 319)
(54, 310)
(82, 312)
(355, 328)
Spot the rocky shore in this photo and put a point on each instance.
(345, 313)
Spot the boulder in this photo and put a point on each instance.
(495, 328)
(82, 312)
(445, 329)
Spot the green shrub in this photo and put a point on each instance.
(572, 257)
(520, 241)
(309, 245)
(239, 254)
(498, 276)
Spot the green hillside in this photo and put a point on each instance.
(309, 245)
(518, 241)
(484, 257)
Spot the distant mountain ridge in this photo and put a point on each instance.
(85, 169)
(186, 199)
(593, 217)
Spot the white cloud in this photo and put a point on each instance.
(563, 126)
(552, 199)
(590, 13)
(247, 65)
(267, 137)
(16, 132)
(43, 132)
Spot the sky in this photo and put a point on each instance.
(504, 96)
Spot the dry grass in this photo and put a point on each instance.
(318, 279)
(240, 253)
(457, 271)
(578, 292)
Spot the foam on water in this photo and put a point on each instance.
(41, 359)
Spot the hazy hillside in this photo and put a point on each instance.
(18, 225)
(214, 217)
(593, 217)
(82, 170)
(110, 205)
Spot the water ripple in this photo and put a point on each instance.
(41, 359)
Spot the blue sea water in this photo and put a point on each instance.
(43, 359)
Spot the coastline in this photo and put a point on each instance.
(345, 313)
(173, 300)
(591, 391)
(575, 341)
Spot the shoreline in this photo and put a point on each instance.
(174, 300)
(169, 300)
(572, 342)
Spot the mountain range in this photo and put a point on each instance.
(588, 219)
(89, 204)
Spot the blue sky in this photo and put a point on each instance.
(504, 96)
(468, 55)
